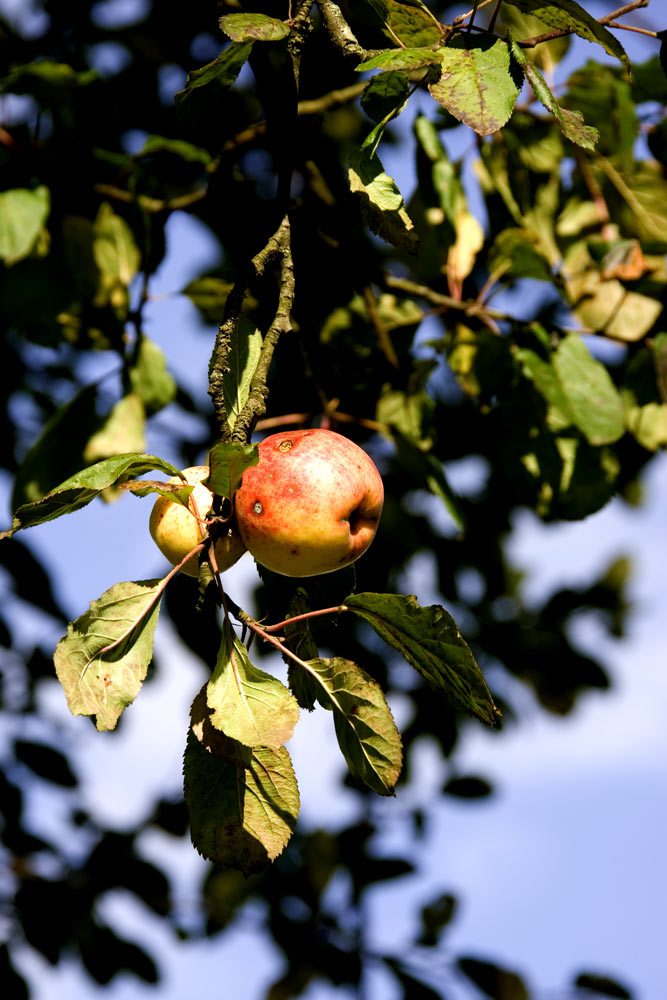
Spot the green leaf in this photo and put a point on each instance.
(384, 93)
(402, 59)
(570, 16)
(256, 27)
(243, 808)
(177, 147)
(122, 431)
(244, 353)
(115, 252)
(100, 681)
(428, 472)
(429, 639)
(365, 729)
(150, 379)
(592, 397)
(516, 252)
(228, 462)
(209, 295)
(545, 378)
(222, 71)
(382, 201)
(571, 122)
(84, 486)
(247, 705)
(59, 448)
(176, 492)
(48, 81)
(477, 84)
(23, 213)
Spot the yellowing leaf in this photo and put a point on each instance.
(247, 705)
(476, 84)
(102, 661)
(23, 213)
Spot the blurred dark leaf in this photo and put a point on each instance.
(492, 980)
(593, 984)
(435, 916)
(468, 787)
(45, 761)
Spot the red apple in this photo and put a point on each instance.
(175, 530)
(311, 505)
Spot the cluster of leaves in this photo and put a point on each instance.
(570, 212)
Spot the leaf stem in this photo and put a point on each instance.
(303, 617)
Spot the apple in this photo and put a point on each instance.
(311, 505)
(175, 529)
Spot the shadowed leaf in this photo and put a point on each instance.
(429, 639)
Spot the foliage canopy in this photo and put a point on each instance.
(342, 300)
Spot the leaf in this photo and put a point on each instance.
(59, 448)
(428, 472)
(77, 491)
(494, 982)
(384, 93)
(366, 732)
(382, 201)
(176, 492)
(243, 810)
(102, 682)
(222, 71)
(244, 353)
(592, 397)
(602, 986)
(228, 462)
(247, 705)
(209, 295)
(150, 379)
(177, 147)
(476, 84)
(256, 27)
(23, 214)
(570, 16)
(122, 431)
(48, 81)
(430, 641)
(115, 252)
(517, 252)
(402, 59)
(571, 122)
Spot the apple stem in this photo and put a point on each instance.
(303, 617)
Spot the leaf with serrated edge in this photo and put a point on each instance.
(246, 704)
(366, 732)
(222, 71)
(177, 493)
(244, 353)
(256, 27)
(570, 16)
(402, 59)
(78, 491)
(103, 683)
(242, 811)
(571, 122)
(476, 84)
(228, 462)
(429, 639)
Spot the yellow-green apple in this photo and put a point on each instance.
(176, 530)
(312, 503)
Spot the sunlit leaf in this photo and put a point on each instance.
(248, 705)
(228, 462)
(150, 379)
(122, 431)
(221, 71)
(23, 213)
(241, 363)
(99, 681)
(253, 27)
(571, 122)
(84, 486)
(477, 83)
(570, 16)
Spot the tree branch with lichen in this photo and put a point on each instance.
(277, 249)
